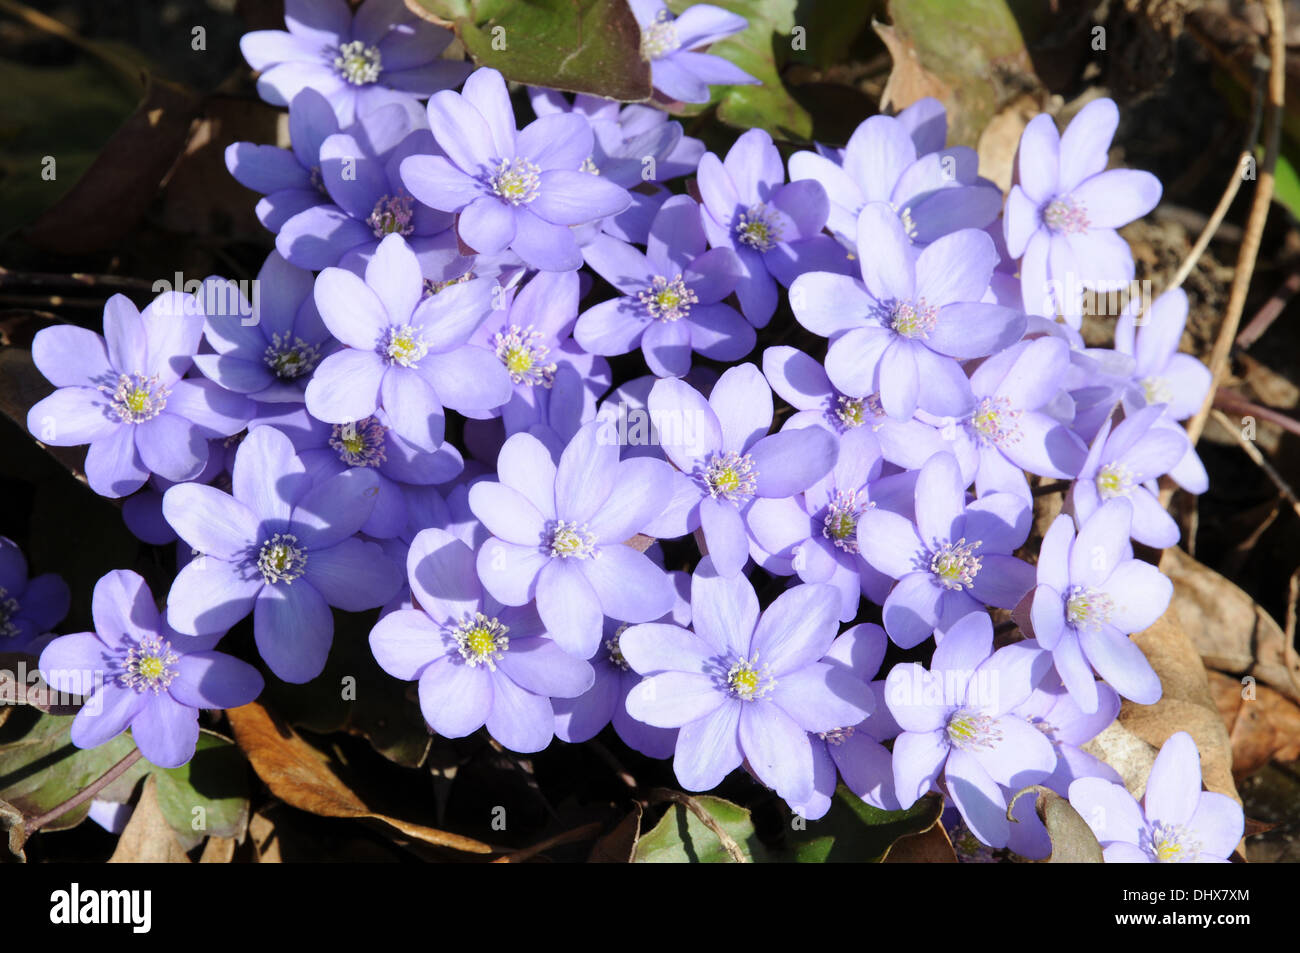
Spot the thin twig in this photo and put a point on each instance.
(47, 301)
(1234, 403)
(1267, 314)
(1047, 489)
(1289, 649)
(77, 279)
(1257, 458)
(85, 794)
(568, 837)
(1259, 209)
(728, 843)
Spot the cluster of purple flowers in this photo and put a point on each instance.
(438, 260)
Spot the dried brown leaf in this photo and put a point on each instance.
(148, 838)
(1263, 725)
(1185, 705)
(1229, 629)
(619, 845)
(928, 847)
(297, 774)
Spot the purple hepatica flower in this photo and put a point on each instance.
(1061, 218)
(288, 179)
(123, 394)
(29, 608)
(530, 334)
(852, 752)
(271, 359)
(932, 195)
(1009, 430)
(774, 228)
(912, 318)
(1123, 464)
(672, 296)
(1091, 596)
(818, 529)
(478, 662)
(745, 688)
(403, 351)
(143, 674)
(517, 190)
(802, 382)
(723, 448)
(281, 548)
(385, 54)
(1176, 823)
(1163, 375)
(626, 132)
(956, 719)
(671, 46)
(579, 719)
(953, 561)
(560, 530)
(372, 444)
(359, 170)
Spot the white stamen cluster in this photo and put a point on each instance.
(996, 422)
(1088, 608)
(136, 398)
(281, 559)
(149, 666)
(748, 680)
(359, 64)
(481, 640)
(1115, 479)
(567, 539)
(956, 565)
(1066, 215)
(1156, 390)
(659, 38)
(392, 215)
(913, 319)
(667, 300)
(731, 476)
(8, 609)
(523, 354)
(841, 523)
(290, 357)
(972, 730)
(360, 443)
(1171, 844)
(615, 653)
(758, 228)
(403, 344)
(837, 736)
(516, 181)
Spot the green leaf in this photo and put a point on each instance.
(1073, 841)
(853, 831)
(41, 768)
(582, 46)
(970, 54)
(208, 796)
(62, 113)
(681, 837)
(1286, 185)
(760, 50)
